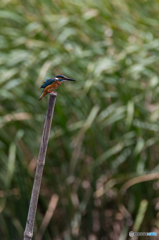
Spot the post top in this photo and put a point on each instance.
(53, 94)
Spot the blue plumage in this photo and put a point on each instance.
(48, 82)
(42, 92)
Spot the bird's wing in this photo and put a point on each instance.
(47, 82)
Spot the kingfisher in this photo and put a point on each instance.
(52, 84)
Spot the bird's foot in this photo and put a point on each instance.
(51, 92)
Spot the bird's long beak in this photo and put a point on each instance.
(70, 79)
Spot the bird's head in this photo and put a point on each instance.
(62, 78)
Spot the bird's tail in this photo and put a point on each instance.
(42, 95)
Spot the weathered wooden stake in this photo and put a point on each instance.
(28, 233)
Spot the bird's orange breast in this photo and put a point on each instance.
(53, 86)
(56, 84)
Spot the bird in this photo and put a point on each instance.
(52, 84)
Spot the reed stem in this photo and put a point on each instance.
(28, 233)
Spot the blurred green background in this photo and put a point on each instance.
(101, 174)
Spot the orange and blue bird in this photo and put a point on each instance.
(52, 84)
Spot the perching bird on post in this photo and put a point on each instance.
(52, 84)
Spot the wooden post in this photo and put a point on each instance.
(28, 233)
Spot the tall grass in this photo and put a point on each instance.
(102, 158)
